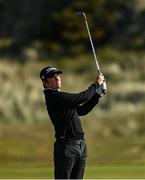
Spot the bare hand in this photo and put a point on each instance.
(100, 79)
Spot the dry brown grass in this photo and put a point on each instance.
(21, 97)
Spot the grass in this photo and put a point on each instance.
(22, 89)
(25, 171)
(117, 172)
(26, 151)
(114, 130)
(44, 172)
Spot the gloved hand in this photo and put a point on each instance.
(104, 87)
(101, 84)
(99, 90)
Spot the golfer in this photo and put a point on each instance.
(64, 109)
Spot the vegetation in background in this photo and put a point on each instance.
(37, 33)
(22, 91)
(51, 28)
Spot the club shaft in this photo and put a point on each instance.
(92, 45)
(104, 88)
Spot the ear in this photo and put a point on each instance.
(48, 80)
(45, 82)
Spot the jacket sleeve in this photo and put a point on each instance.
(75, 99)
(86, 107)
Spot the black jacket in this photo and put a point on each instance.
(65, 108)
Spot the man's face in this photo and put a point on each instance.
(55, 81)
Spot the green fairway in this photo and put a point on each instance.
(115, 172)
(23, 171)
(26, 154)
(42, 171)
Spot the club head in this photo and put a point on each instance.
(81, 13)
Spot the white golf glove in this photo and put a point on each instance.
(104, 87)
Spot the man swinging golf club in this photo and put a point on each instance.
(64, 109)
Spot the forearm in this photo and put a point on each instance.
(74, 99)
(86, 107)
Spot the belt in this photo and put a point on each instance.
(71, 141)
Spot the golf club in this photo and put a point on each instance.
(104, 87)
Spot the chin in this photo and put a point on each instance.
(58, 87)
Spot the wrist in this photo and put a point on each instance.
(99, 90)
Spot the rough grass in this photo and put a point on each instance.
(22, 93)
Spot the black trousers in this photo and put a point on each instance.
(69, 159)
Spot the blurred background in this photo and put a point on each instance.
(37, 33)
